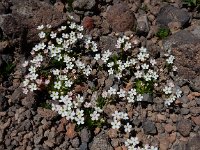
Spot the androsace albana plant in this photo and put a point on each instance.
(64, 63)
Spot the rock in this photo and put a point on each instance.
(37, 139)
(174, 26)
(71, 133)
(88, 23)
(46, 113)
(49, 143)
(184, 127)
(164, 144)
(195, 83)
(75, 142)
(3, 103)
(185, 47)
(3, 46)
(85, 135)
(107, 42)
(29, 101)
(196, 120)
(2, 132)
(149, 127)
(195, 110)
(147, 98)
(185, 111)
(27, 15)
(100, 142)
(16, 96)
(120, 17)
(169, 128)
(83, 146)
(112, 133)
(170, 13)
(142, 25)
(83, 4)
(194, 143)
(5, 125)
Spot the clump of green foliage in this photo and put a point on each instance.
(191, 3)
(163, 32)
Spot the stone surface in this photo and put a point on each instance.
(120, 17)
(100, 142)
(3, 103)
(142, 25)
(194, 143)
(184, 127)
(149, 127)
(170, 13)
(84, 4)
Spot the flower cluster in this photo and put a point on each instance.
(132, 144)
(65, 61)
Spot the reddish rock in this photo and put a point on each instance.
(164, 144)
(120, 17)
(196, 120)
(71, 133)
(172, 137)
(46, 113)
(161, 117)
(88, 23)
(112, 133)
(184, 127)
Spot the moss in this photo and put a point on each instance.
(163, 32)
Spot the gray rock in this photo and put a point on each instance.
(195, 84)
(83, 4)
(147, 98)
(108, 42)
(75, 142)
(37, 139)
(120, 17)
(170, 13)
(83, 146)
(100, 142)
(85, 135)
(193, 143)
(2, 132)
(64, 145)
(142, 25)
(149, 127)
(195, 110)
(185, 111)
(29, 100)
(184, 127)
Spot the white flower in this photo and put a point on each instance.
(127, 46)
(32, 69)
(132, 92)
(116, 115)
(143, 49)
(121, 93)
(26, 82)
(138, 74)
(116, 124)
(54, 95)
(110, 64)
(79, 120)
(41, 35)
(53, 35)
(167, 90)
(170, 59)
(141, 56)
(112, 91)
(57, 85)
(131, 99)
(153, 62)
(110, 71)
(25, 64)
(56, 72)
(139, 97)
(104, 94)
(79, 113)
(32, 87)
(145, 66)
(178, 93)
(97, 56)
(68, 83)
(40, 27)
(95, 115)
(127, 127)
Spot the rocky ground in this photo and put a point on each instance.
(24, 122)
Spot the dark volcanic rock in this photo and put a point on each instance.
(3, 103)
(149, 127)
(170, 13)
(120, 17)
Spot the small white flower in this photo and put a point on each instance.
(53, 35)
(41, 35)
(143, 49)
(121, 93)
(116, 124)
(110, 71)
(32, 87)
(127, 127)
(54, 95)
(145, 66)
(32, 69)
(57, 85)
(139, 97)
(170, 59)
(40, 27)
(138, 74)
(167, 90)
(25, 64)
(104, 94)
(153, 62)
(95, 115)
(112, 91)
(56, 72)
(97, 56)
(178, 93)
(132, 92)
